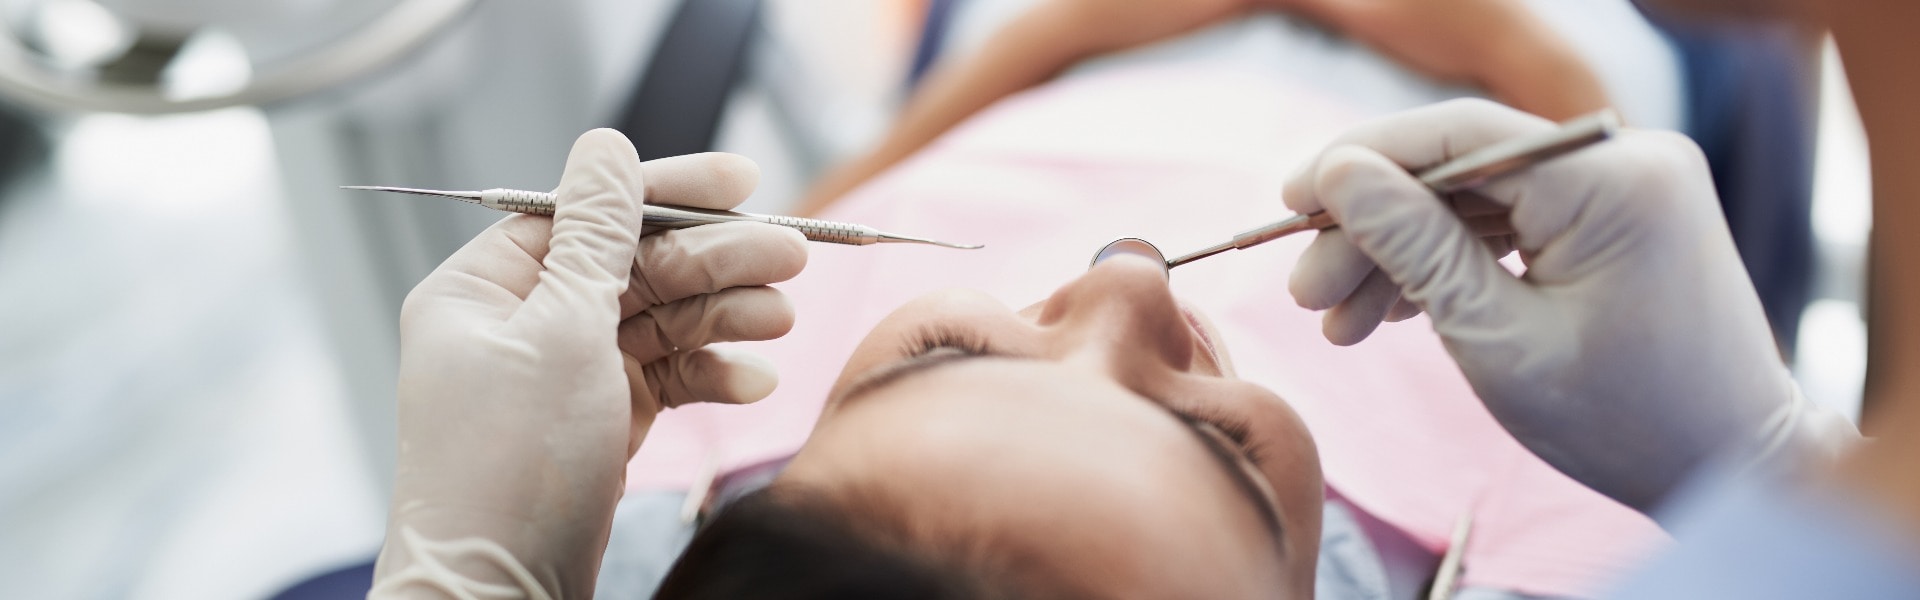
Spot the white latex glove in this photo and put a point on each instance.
(533, 361)
(1634, 347)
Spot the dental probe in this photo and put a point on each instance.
(1467, 171)
(679, 217)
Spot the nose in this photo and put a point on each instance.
(1121, 316)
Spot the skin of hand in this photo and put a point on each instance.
(1875, 39)
(1634, 347)
(535, 358)
(1031, 49)
(1525, 65)
(1498, 45)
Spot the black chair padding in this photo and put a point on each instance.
(676, 108)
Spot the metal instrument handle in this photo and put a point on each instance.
(826, 231)
(1476, 167)
(1462, 172)
(1465, 171)
(814, 229)
(520, 201)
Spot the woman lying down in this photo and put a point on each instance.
(1097, 443)
(1094, 444)
(1073, 448)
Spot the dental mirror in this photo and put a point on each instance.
(1132, 246)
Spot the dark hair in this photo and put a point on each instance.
(794, 544)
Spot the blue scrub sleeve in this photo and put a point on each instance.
(1756, 536)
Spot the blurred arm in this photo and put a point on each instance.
(1498, 45)
(1032, 49)
(1876, 39)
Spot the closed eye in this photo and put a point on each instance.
(939, 337)
(1235, 429)
(1232, 450)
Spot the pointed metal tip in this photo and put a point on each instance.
(462, 196)
(904, 239)
(1199, 254)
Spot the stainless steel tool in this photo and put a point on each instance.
(679, 217)
(1465, 172)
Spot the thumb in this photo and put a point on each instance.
(1415, 239)
(596, 231)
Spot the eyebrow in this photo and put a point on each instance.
(1230, 459)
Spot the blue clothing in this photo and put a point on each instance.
(1756, 537)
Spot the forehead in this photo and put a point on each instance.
(1047, 462)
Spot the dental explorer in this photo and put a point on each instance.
(1465, 172)
(679, 217)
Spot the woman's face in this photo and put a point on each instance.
(1098, 437)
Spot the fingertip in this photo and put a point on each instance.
(740, 170)
(1362, 311)
(598, 151)
(784, 255)
(733, 174)
(712, 180)
(792, 259)
(606, 139)
(1328, 271)
(763, 313)
(1296, 191)
(1345, 329)
(1348, 175)
(1403, 310)
(785, 313)
(1314, 289)
(601, 171)
(1307, 292)
(748, 377)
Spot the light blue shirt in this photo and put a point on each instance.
(1757, 537)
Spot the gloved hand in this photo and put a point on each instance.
(1634, 347)
(535, 358)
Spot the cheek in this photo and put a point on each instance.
(1291, 462)
(1288, 453)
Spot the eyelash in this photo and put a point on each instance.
(936, 338)
(1234, 428)
(931, 339)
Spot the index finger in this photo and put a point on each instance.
(713, 180)
(1420, 138)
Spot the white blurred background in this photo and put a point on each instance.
(196, 327)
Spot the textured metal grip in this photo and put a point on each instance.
(825, 231)
(523, 201)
